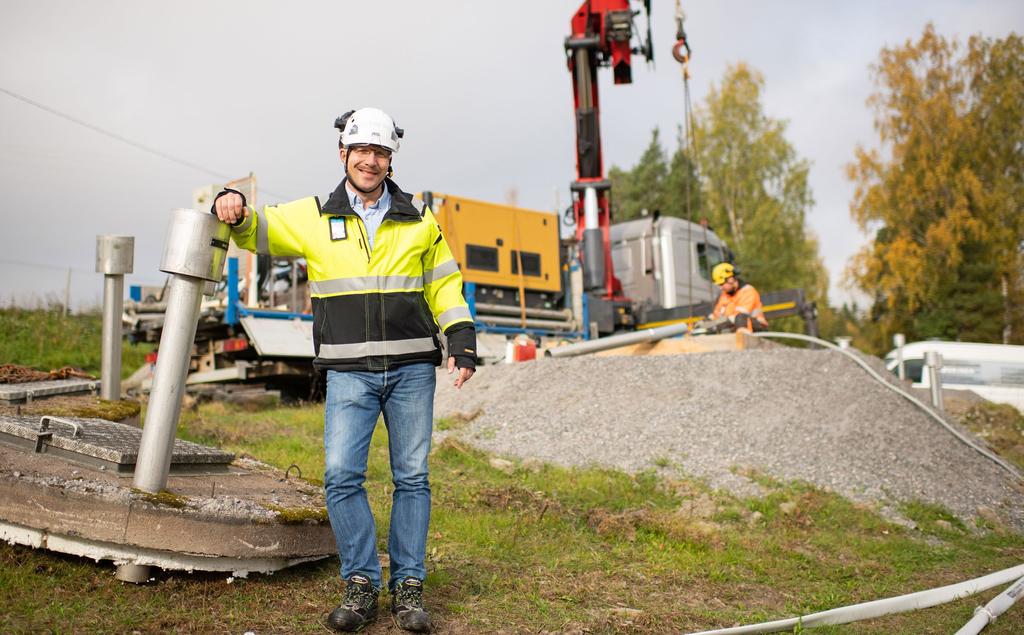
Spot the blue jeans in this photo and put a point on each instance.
(355, 400)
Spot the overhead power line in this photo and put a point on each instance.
(127, 141)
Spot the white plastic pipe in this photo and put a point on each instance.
(878, 608)
(1012, 470)
(985, 615)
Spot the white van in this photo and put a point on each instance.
(993, 371)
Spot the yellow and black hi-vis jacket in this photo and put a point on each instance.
(372, 309)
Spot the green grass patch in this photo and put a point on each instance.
(1000, 425)
(47, 339)
(535, 547)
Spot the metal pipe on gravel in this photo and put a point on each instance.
(614, 341)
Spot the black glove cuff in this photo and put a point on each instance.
(462, 344)
(228, 190)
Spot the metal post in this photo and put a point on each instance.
(194, 255)
(899, 341)
(179, 332)
(114, 258)
(67, 293)
(934, 362)
(844, 341)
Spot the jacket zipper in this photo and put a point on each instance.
(364, 242)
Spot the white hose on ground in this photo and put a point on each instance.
(914, 400)
(877, 608)
(985, 615)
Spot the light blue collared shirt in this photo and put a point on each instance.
(372, 215)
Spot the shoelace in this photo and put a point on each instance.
(409, 596)
(359, 595)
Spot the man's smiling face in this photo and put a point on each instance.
(366, 165)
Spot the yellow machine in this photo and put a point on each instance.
(490, 241)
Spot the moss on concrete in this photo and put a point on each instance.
(163, 498)
(81, 406)
(298, 515)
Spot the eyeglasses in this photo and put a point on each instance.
(364, 152)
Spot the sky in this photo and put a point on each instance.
(481, 88)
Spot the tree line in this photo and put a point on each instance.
(941, 196)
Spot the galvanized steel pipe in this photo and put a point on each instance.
(615, 341)
(194, 255)
(114, 258)
(179, 332)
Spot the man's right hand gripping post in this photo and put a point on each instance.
(230, 207)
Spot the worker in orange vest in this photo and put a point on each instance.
(739, 302)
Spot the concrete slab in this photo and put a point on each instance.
(251, 517)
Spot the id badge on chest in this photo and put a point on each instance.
(338, 231)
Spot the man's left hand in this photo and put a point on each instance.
(464, 373)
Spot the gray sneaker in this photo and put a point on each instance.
(358, 607)
(407, 606)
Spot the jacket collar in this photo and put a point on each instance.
(403, 207)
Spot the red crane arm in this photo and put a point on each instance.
(601, 33)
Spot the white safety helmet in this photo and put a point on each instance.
(369, 126)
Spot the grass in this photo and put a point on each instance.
(533, 548)
(46, 339)
(540, 547)
(1000, 425)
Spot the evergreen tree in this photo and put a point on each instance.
(642, 187)
(682, 181)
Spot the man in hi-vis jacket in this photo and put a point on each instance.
(382, 281)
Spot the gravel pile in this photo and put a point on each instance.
(792, 414)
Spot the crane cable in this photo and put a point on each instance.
(681, 52)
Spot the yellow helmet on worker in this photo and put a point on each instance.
(722, 272)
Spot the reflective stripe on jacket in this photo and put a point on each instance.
(372, 309)
(746, 300)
